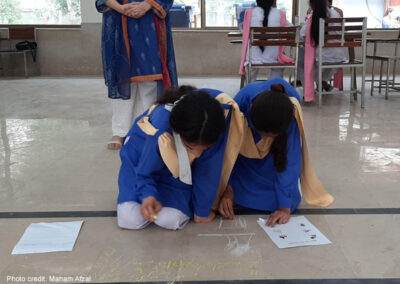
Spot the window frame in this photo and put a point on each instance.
(203, 26)
(49, 26)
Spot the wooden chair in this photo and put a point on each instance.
(274, 36)
(343, 32)
(20, 34)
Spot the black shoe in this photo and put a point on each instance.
(298, 84)
(326, 87)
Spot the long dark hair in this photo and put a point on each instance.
(173, 94)
(319, 11)
(197, 117)
(266, 5)
(388, 11)
(271, 112)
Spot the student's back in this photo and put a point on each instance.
(336, 54)
(270, 53)
(266, 15)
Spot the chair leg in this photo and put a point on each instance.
(25, 65)
(395, 63)
(394, 74)
(355, 78)
(319, 85)
(1, 65)
(351, 84)
(373, 77)
(380, 78)
(364, 70)
(387, 80)
(355, 83)
(242, 79)
(248, 74)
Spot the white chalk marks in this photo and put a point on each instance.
(238, 243)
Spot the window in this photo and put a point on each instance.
(40, 12)
(380, 13)
(217, 14)
(230, 13)
(186, 14)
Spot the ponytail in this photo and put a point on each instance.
(266, 5)
(320, 11)
(272, 112)
(173, 94)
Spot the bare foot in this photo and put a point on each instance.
(115, 143)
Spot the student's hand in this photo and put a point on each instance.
(226, 204)
(138, 9)
(208, 219)
(280, 216)
(150, 208)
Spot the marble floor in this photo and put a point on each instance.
(54, 162)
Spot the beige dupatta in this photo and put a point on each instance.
(313, 191)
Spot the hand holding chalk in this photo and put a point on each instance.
(150, 207)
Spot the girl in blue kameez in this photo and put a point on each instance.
(138, 58)
(172, 160)
(270, 181)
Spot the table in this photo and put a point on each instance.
(394, 58)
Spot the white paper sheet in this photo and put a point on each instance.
(295, 233)
(48, 237)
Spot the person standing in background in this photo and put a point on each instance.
(138, 58)
(388, 21)
(339, 11)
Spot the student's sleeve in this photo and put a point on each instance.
(160, 7)
(242, 98)
(286, 183)
(148, 169)
(206, 178)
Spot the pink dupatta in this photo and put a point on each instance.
(282, 58)
(309, 60)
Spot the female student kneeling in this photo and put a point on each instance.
(273, 156)
(172, 160)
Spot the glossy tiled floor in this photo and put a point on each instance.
(53, 158)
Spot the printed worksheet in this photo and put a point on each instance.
(48, 237)
(295, 233)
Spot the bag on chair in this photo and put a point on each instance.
(28, 45)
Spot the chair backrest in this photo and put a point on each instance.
(27, 33)
(274, 36)
(343, 32)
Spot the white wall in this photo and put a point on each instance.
(89, 12)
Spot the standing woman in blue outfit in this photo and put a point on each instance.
(138, 58)
(172, 160)
(267, 172)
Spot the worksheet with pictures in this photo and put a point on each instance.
(297, 232)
